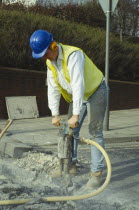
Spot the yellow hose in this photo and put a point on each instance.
(8, 123)
(66, 198)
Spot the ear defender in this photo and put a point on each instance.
(53, 46)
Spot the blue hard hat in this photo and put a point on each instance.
(39, 43)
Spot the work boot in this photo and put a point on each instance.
(73, 169)
(95, 179)
(73, 166)
(55, 173)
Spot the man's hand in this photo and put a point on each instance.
(73, 121)
(56, 120)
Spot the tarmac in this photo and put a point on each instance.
(27, 134)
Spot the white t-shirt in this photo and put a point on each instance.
(76, 87)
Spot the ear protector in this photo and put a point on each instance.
(53, 46)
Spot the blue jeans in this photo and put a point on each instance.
(94, 108)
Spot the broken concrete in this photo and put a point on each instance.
(14, 149)
(29, 176)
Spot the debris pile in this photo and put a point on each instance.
(41, 162)
(28, 178)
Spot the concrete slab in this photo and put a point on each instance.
(14, 149)
(22, 107)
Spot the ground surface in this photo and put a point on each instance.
(28, 177)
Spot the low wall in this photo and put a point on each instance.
(20, 82)
(123, 95)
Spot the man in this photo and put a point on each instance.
(71, 73)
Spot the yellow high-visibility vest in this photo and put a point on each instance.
(92, 75)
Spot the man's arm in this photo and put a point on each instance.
(76, 71)
(53, 98)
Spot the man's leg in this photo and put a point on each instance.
(96, 107)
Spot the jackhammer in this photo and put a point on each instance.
(65, 146)
(65, 150)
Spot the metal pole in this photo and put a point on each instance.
(108, 14)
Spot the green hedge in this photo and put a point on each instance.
(16, 28)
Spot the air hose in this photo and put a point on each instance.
(67, 198)
(8, 123)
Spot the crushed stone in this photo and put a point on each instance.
(34, 161)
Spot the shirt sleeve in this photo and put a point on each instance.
(54, 94)
(76, 71)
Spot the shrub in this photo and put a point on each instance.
(17, 27)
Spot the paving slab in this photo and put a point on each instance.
(26, 134)
(14, 148)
